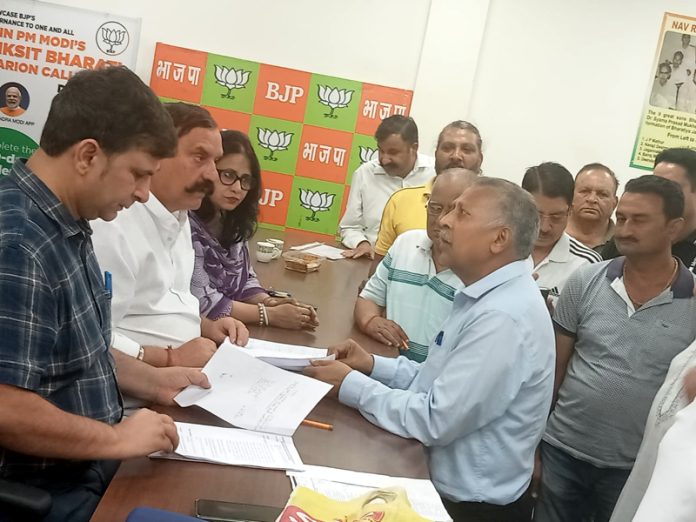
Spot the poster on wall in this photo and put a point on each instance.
(669, 114)
(310, 131)
(41, 46)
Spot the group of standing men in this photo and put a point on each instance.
(482, 379)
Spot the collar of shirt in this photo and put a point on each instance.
(47, 201)
(495, 279)
(422, 162)
(560, 253)
(682, 288)
(169, 223)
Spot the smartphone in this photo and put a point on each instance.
(545, 293)
(217, 510)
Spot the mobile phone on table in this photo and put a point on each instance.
(219, 511)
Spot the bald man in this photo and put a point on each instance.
(405, 301)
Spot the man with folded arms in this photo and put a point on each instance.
(149, 252)
(618, 325)
(399, 165)
(409, 296)
(61, 426)
(480, 400)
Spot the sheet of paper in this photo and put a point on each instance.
(286, 356)
(252, 394)
(326, 251)
(234, 447)
(343, 484)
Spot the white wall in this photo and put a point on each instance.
(565, 81)
(544, 80)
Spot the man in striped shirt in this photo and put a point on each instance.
(410, 294)
(556, 255)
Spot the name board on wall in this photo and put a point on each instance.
(310, 131)
(669, 114)
(41, 46)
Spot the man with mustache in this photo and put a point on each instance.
(678, 165)
(556, 255)
(618, 326)
(149, 253)
(399, 165)
(13, 97)
(458, 146)
(594, 201)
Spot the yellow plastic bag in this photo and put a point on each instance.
(379, 505)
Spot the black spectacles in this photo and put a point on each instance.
(230, 177)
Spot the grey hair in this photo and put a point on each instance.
(517, 211)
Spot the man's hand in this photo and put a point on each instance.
(292, 316)
(690, 384)
(331, 372)
(536, 474)
(225, 327)
(143, 433)
(363, 249)
(194, 353)
(353, 355)
(168, 382)
(387, 331)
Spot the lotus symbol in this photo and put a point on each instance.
(367, 154)
(274, 140)
(334, 98)
(316, 202)
(231, 78)
(112, 37)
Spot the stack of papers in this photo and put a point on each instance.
(234, 447)
(320, 249)
(287, 356)
(252, 394)
(341, 484)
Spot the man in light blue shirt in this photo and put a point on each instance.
(480, 400)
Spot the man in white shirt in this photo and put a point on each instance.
(556, 255)
(399, 165)
(148, 251)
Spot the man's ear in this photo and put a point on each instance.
(414, 147)
(502, 240)
(675, 227)
(86, 154)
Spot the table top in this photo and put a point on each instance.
(353, 444)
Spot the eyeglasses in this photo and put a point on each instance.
(434, 209)
(230, 177)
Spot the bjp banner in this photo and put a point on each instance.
(310, 131)
(41, 46)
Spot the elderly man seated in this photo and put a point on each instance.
(405, 302)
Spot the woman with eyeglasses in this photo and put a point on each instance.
(223, 279)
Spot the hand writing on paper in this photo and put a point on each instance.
(225, 327)
(330, 372)
(363, 249)
(387, 331)
(143, 433)
(168, 382)
(352, 354)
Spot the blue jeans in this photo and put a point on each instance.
(574, 490)
(75, 490)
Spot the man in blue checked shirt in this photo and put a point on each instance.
(480, 400)
(61, 426)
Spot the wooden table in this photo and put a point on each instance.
(353, 444)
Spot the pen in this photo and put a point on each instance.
(315, 424)
(108, 284)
